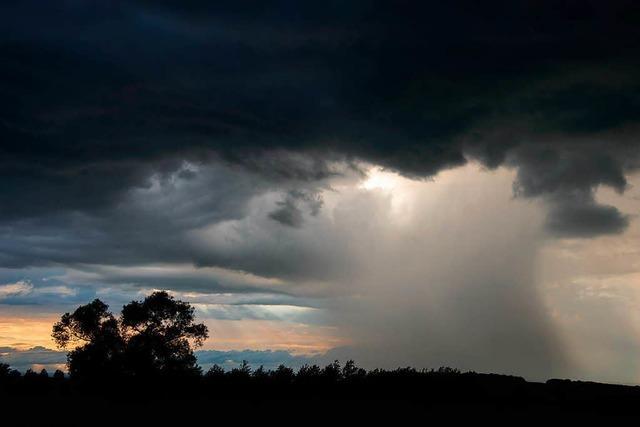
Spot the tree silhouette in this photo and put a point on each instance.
(30, 373)
(5, 369)
(332, 372)
(284, 375)
(153, 336)
(351, 372)
(215, 372)
(94, 332)
(309, 372)
(160, 332)
(242, 372)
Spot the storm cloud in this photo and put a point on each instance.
(98, 98)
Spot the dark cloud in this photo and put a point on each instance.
(583, 217)
(147, 224)
(98, 98)
(215, 216)
(289, 211)
(287, 214)
(566, 176)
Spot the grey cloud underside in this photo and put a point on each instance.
(145, 225)
(100, 98)
(169, 224)
(580, 216)
(290, 211)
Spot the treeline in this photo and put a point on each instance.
(333, 381)
(7, 372)
(324, 393)
(312, 378)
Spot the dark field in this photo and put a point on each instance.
(398, 397)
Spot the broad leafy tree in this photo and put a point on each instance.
(152, 337)
(93, 336)
(161, 332)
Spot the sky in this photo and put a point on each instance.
(401, 183)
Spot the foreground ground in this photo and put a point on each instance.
(397, 397)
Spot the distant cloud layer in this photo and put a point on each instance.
(268, 359)
(41, 357)
(36, 357)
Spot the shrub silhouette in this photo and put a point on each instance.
(155, 336)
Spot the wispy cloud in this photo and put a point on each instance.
(16, 289)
